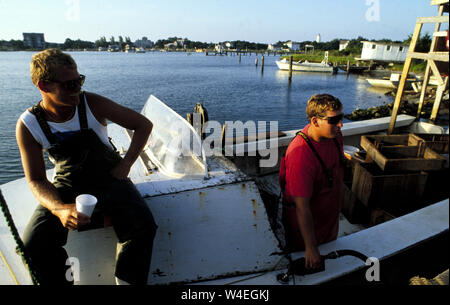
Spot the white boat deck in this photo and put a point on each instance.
(381, 242)
(178, 204)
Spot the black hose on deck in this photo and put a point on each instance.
(297, 267)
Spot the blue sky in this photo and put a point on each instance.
(213, 20)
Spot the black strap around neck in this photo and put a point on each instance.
(325, 169)
(39, 114)
(82, 113)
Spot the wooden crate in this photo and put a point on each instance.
(401, 153)
(436, 142)
(349, 165)
(352, 208)
(398, 191)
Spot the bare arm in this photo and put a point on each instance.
(305, 220)
(105, 109)
(44, 191)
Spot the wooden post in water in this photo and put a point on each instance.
(291, 58)
(262, 63)
(189, 118)
(256, 61)
(348, 66)
(222, 138)
(239, 57)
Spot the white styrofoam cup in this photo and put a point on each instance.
(85, 204)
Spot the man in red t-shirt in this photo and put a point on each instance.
(312, 194)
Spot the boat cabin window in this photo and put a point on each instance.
(400, 49)
(374, 46)
(388, 48)
(173, 146)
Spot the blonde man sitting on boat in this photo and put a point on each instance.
(70, 125)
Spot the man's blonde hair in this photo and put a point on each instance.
(319, 104)
(44, 64)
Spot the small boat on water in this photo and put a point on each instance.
(391, 82)
(307, 66)
(139, 50)
(353, 69)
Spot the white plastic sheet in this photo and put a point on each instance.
(173, 146)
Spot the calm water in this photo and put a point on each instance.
(229, 90)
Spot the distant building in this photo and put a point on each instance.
(293, 46)
(170, 45)
(219, 48)
(343, 44)
(318, 38)
(309, 48)
(34, 40)
(179, 43)
(144, 43)
(272, 47)
(381, 51)
(113, 48)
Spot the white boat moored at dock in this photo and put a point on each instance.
(306, 66)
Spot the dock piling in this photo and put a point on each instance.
(222, 137)
(262, 64)
(291, 58)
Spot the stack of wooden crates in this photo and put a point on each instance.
(400, 174)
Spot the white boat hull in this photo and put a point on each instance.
(391, 83)
(305, 67)
(382, 83)
(218, 227)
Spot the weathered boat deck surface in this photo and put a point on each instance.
(381, 242)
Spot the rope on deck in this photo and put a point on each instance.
(9, 268)
(441, 279)
(15, 234)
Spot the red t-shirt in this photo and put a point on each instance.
(305, 178)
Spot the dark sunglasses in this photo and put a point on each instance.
(333, 120)
(71, 84)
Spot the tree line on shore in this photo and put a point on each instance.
(354, 46)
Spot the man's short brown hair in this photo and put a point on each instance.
(44, 64)
(319, 104)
